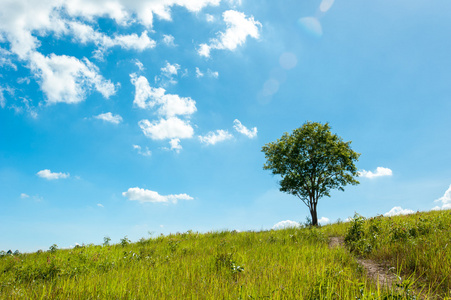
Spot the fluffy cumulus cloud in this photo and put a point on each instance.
(380, 171)
(171, 128)
(109, 117)
(323, 220)
(398, 210)
(170, 105)
(285, 224)
(244, 130)
(148, 196)
(212, 137)
(175, 145)
(239, 27)
(170, 69)
(67, 79)
(49, 175)
(168, 74)
(445, 200)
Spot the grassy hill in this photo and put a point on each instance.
(295, 263)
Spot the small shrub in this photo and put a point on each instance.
(106, 241)
(53, 248)
(125, 241)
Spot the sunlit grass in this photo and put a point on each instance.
(293, 263)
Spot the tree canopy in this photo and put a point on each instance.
(311, 161)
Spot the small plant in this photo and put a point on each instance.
(106, 241)
(53, 248)
(355, 233)
(125, 241)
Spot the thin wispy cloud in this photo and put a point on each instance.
(169, 40)
(143, 152)
(252, 133)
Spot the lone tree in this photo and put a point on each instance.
(311, 161)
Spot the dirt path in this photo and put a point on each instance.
(377, 272)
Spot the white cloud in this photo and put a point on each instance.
(100, 205)
(213, 74)
(235, 2)
(199, 73)
(67, 79)
(22, 80)
(24, 196)
(84, 33)
(140, 65)
(445, 199)
(5, 58)
(170, 105)
(212, 138)
(170, 70)
(145, 94)
(143, 196)
(286, 224)
(123, 11)
(47, 174)
(173, 105)
(243, 129)
(398, 210)
(172, 128)
(323, 220)
(380, 171)
(210, 73)
(7, 89)
(133, 41)
(168, 73)
(209, 18)
(239, 27)
(109, 117)
(24, 23)
(29, 107)
(2, 99)
(146, 152)
(169, 40)
(175, 145)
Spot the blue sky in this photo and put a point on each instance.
(127, 117)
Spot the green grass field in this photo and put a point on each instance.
(293, 263)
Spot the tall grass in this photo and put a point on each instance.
(284, 264)
(419, 245)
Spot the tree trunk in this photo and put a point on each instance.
(314, 216)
